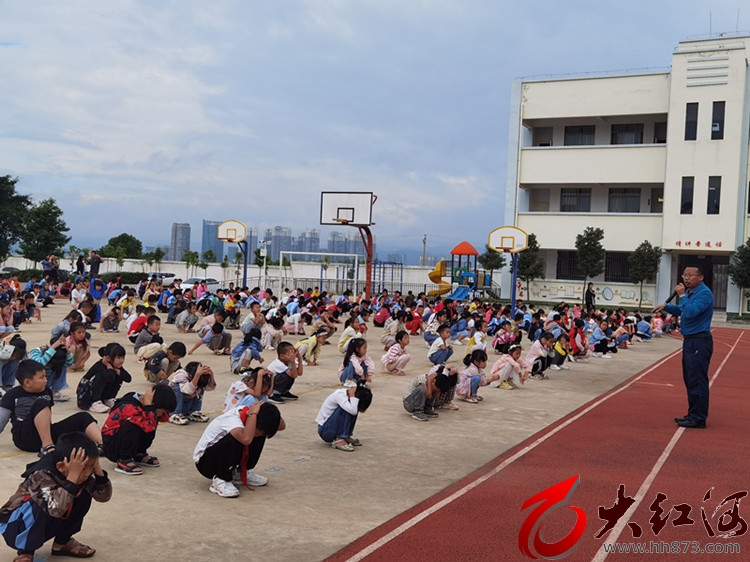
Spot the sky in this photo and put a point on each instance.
(133, 115)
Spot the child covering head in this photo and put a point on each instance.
(131, 427)
(338, 416)
(98, 388)
(254, 383)
(420, 395)
(472, 377)
(54, 498)
(29, 409)
(286, 368)
(231, 445)
(188, 385)
(248, 349)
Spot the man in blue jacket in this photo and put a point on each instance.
(695, 309)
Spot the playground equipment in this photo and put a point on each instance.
(466, 279)
(436, 276)
(380, 271)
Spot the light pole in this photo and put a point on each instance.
(264, 253)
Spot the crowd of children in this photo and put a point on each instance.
(231, 444)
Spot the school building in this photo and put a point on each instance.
(657, 156)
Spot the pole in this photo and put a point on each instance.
(424, 250)
(514, 259)
(364, 232)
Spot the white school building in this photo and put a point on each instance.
(657, 156)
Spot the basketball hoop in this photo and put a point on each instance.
(504, 250)
(341, 221)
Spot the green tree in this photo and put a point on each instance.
(130, 244)
(209, 256)
(530, 263)
(44, 231)
(224, 265)
(72, 253)
(491, 260)
(239, 260)
(739, 268)
(158, 256)
(643, 263)
(590, 253)
(13, 210)
(148, 258)
(191, 260)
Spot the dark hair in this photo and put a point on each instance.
(321, 332)
(364, 395)
(695, 266)
(164, 398)
(269, 419)
(178, 348)
(68, 442)
(479, 324)
(217, 328)
(442, 382)
(20, 346)
(152, 319)
(476, 355)
(400, 335)
(283, 348)
(355, 344)
(112, 350)
(222, 313)
(277, 322)
(27, 369)
(443, 327)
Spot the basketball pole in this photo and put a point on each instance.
(364, 232)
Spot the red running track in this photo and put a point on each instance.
(625, 437)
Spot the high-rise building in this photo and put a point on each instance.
(180, 240)
(308, 241)
(281, 241)
(210, 239)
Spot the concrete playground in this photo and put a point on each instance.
(318, 499)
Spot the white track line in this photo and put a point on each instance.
(385, 539)
(623, 521)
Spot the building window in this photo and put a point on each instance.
(575, 200)
(616, 267)
(714, 195)
(624, 200)
(686, 202)
(567, 266)
(579, 135)
(539, 200)
(660, 132)
(717, 122)
(691, 121)
(657, 199)
(627, 134)
(542, 136)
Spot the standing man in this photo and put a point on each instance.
(696, 309)
(590, 298)
(94, 262)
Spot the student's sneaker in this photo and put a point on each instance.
(142, 360)
(99, 407)
(349, 383)
(596, 354)
(275, 398)
(564, 367)
(253, 479)
(419, 416)
(199, 417)
(60, 397)
(430, 413)
(223, 489)
(638, 339)
(304, 363)
(109, 403)
(505, 385)
(179, 419)
(289, 396)
(555, 367)
(606, 356)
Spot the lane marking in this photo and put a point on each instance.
(385, 539)
(625, 519)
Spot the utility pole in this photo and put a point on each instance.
(424, 250)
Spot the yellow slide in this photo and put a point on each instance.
(436, 276)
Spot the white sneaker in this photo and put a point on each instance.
(638, 339)
(99, 407)
(564, 367)
(606, 356)
(253, 479)
(555, 367)
(110, 403)
(223, 489)
(596, 354)
(60, 397)
(179, 419)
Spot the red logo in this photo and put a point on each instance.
(546, 502)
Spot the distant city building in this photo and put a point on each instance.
(308, 241)
(398, 257)
(280, 238)
(180, 241)
(345, 243)
(210, 239)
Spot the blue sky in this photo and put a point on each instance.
(134, 115)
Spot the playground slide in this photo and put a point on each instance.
(436, 276)
(459, 294)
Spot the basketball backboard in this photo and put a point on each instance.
(346, 208)
(232, 231)
(508, 239)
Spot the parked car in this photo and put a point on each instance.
(164, 277)
(9, 270)
(212, 284)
